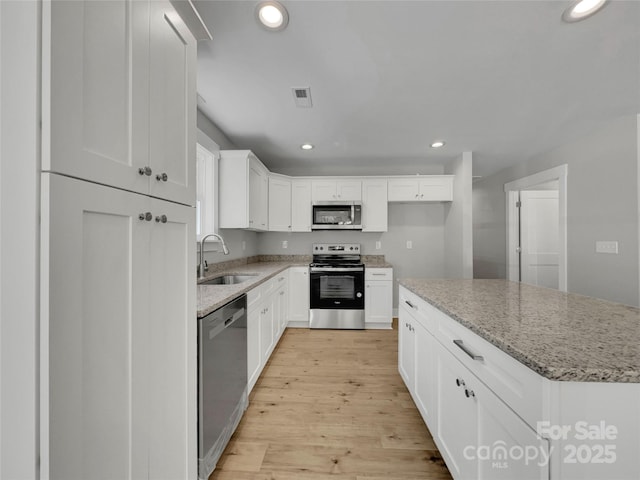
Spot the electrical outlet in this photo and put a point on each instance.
(378, 245)
(409, 244)
(285, 244)
(607, 247)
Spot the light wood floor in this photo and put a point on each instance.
(331, 405)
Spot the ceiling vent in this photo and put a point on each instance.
(302, 97)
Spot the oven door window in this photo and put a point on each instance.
(337, 290)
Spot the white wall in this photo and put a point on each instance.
(602, 204)
(458, 220)
(19, 233)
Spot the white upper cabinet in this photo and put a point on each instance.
(336, 190)
(428, 188)
(244, 191)
(118, 86)
(300, 205)
(375, 211)
(279, 204)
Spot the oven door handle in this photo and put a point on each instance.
(336, 269)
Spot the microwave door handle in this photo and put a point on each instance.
(353, 213)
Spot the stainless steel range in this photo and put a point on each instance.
(337, 286)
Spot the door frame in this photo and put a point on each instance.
(512, 190)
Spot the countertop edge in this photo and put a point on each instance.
(611, 375)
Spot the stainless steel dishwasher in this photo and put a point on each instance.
(222, 380)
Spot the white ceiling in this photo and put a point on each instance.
(503, 79)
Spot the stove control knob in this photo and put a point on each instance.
(350, 248)
(359, 295)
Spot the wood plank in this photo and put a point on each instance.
(330, 404)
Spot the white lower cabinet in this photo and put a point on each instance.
(299, 297)
(480, 436)
(378, 297)
(118, 365)
(267, 318)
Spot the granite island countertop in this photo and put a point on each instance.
(211, 297)
(561, 336)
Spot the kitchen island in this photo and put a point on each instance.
(499, 368)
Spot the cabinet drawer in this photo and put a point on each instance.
(418, 309)
(254, 297)
(518, 386)
(269, 286)
(378, 274)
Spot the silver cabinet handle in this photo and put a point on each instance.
(145, 216)
(410, 304)
(460, 382)
(281, 293)
(462, 347)
(145, 171)
(379, 274)
(281, 279)
(161, 218)
(469, 393)
(162, 177)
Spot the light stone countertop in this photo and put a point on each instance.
(212, 297)
(561, 336)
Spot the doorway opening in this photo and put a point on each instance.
(537, 229)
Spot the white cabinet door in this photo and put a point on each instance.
(378, 304)
(281, 303)
(500, 429)
(119, 96)
(436, 188)
(299, 296)
(349, 190)
(266, 329)
(95, 91)
(300, 205)
(403, 189)
(323, 190)
(427, 188)
(119, 369)
(254, 355)
(172, 100)
(426, 379)
(374, 206)
(95, 323)
(279, 204)
(257, 200)
(406, 348)
(457, 415)
(336, 190)
(171, 337)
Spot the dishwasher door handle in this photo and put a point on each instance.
(234, 317)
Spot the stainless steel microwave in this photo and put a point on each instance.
(336, 216)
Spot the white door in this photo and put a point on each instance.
(539, 237)
(426, 383)
(349, 190)
(253, 345)
(299, 295)
(406, 349)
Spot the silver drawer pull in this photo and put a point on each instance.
(460, 344)
(379, 274)
(410, 304)
(469, 393)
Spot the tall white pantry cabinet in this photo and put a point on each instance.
(118, 322)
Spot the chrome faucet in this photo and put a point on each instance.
(225, 251)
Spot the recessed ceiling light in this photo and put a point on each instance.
(581, 9)
(272, 15)
(306, 146)
(437, 144)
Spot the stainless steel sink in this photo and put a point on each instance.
(228, 279)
